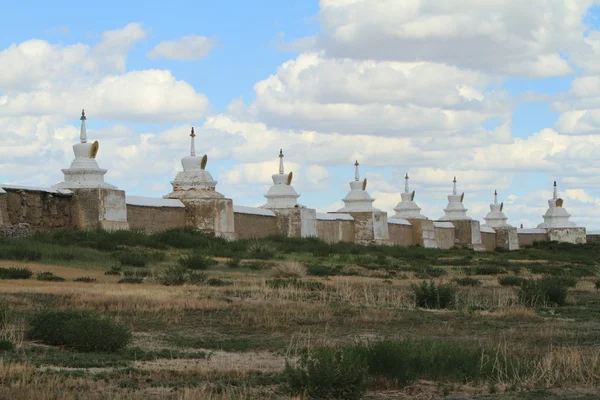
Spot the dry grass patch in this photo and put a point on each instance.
(289, 269)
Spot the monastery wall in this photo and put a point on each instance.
(253, 222)
(488, 238)
(591, 237)
(528, 236)
(569, 235)
(400, 232)
(334, 228)
(154, 215)
(43, 209)
(445, 234)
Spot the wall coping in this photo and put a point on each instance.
(253, 211)
(398, 221)
(486, 229)
(152, 202)
(531, 231)
(65, 192)
(593, 233)
(441, 224)
(334, 217)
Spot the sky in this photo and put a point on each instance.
(504, 95)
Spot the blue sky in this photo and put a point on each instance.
(488, 109)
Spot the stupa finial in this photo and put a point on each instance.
(83, 133)
(555, 194)
(356, 173)
(406, 183)
(495, 197)
(454, 187)
(193, 146)
(281, 169)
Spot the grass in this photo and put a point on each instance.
(467, 325)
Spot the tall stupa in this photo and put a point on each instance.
(357, 199)
(282, 194)
(556, 216)
(455, 210)
(84, 171)
(194, 181)
(496, 218)
(407, 208)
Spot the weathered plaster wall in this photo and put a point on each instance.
(527, 239)
(445, 237)
(3, 207)
(569, 235)
(468, 234)
(423, 233)
(593, 237)
(296, 222)
(44, 211)
(363, 226)
(488, 239)
(401, 235)
(211, 215)
(99, 209)
(254, 226)
(507, 238)
(380, 226)
(155, 219)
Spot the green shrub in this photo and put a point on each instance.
(133, 258)
(262, 250)
(197, 278)
(484, 270)
(85, 279)
(80, 330)
(15, 273)
(114, 270)
(48, 276)
(542, 292)
(320, 270)
(256, 266)
(467, 281)
(598, 284)
(196, 261)
(6, 345)
(567, 281)
(17, 249)
(233, 263)
(131, 279)
(433, 296)
(175, 275)
(510, 280)
(295, 283)
(328, 373)
(218, 282)
(137, 274)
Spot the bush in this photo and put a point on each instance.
(289, 269)
(131, 279)
(426, 272)
(256, 266)
(320, 270)
(197, 278)
(263, 250)
(6, 345)
(16, 250)
(233, 263)
(175, 275)
(85, 279)
(328, 373)
(15, 273)
(510, 280)
(542, 292)
(196, 261)
(598, 284)
(137, 274)
(114, 270)
(133, 258)
(80, 330)
(484, 270)
(48, 276)
(218, 282)
(295, 283)
(433, 296)
(467, 282)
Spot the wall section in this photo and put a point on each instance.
(155, 219)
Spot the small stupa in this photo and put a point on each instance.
(84, 171)
(496, 218)
(556, 216)
(357, 199)
(194, 181)
(407, 208)
(282, 194)
(455, 210)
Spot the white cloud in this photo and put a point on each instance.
(187, 48)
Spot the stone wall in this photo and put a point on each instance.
(400, 233)
(43, 210)
(94, 208)
(591, 237)
(334, 228)
(528, 236)
(155, 218)
(507, 238)
(423, 233)
(254, 225)
(568, 235)
(444, 234)
(296, 222)
(488, 240)
(211, 215)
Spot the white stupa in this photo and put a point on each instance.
(455, 210)
(556, 216)
(194, 181)
(496, 218)
(357, 199)
(407, 208)
(282, 194)
(84, 171)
